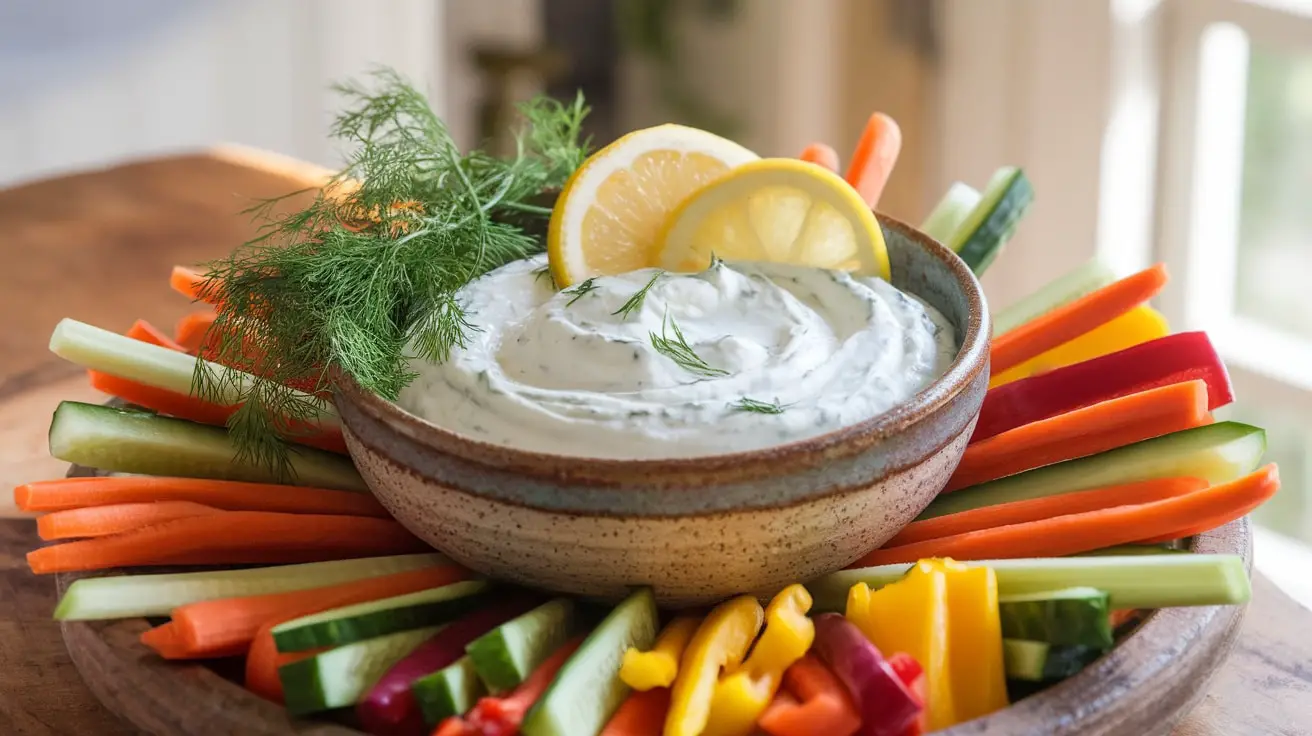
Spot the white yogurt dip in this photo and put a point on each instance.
(779, 353)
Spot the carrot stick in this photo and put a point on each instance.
(1206, 525)
(823, 704)
(102, 521)
(641, 714)
(165, 640)
(1048, 507)
(230, 538)
(821, 154)
(71, 493)
(1083, 315)
(226, 627)
(1087, 431)
(875, 155)
(192, 329)
(146, 332)
(197, 410)
(1082, 532)
(187, 282)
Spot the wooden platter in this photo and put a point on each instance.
(1143, 686)
(130, 223)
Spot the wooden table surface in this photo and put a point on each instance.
(98, 247)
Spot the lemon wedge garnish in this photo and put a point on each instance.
(609, 214)
(779, 210)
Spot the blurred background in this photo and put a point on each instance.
(1172, 130)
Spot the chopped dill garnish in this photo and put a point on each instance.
(364, 277)
(538, 273)
(580, 290)
(678, 350)
(635, 302)
(758, 407)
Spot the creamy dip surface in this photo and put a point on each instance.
(569, 373)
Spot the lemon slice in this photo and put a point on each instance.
(780, 210)
(610, 212)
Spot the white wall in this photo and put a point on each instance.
(87, 82)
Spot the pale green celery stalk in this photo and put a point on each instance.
(1138, 581)
(956, 205)
(118, 355)
(126, 596)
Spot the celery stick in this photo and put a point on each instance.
(1138, 581)
(118, 355)
(125, 596)
(951, 211)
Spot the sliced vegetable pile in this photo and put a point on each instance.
(1094, 457)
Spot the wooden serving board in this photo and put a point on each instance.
(1143, 686)
(127, 225)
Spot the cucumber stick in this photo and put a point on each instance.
(451, 691)
(1070, 617)
(148, 444)
(507, 654)
(339, 677)
(1137, 581)
(1037, 661)
(118, 355)
(377, 618)
(1217, 453)
(588, 689)
(981, 236)
(126, 596)
(956, 205)
(1087, 278)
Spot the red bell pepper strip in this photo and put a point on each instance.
(501, 716)
(814, 701)
(909, 671)
(886, 706)
(641, 714)
(390, 707)
(1172, 359)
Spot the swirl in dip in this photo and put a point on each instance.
(569, 373)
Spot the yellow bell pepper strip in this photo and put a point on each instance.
(975, 668)
(741, 697)
(657, 668)
(1139, 325)
(721, 642)
(911, 616)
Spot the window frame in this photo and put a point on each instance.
(1263, 361)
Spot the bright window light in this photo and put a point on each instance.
(1217, 175)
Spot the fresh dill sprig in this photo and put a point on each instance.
(545, 271)
(635, 302)
(758, 407)
(678, 350)
(365, 275)
(580, 290)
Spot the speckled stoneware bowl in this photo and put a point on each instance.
(699, 529)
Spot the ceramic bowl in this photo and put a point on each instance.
(699, 529)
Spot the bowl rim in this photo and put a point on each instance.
(971, 358)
